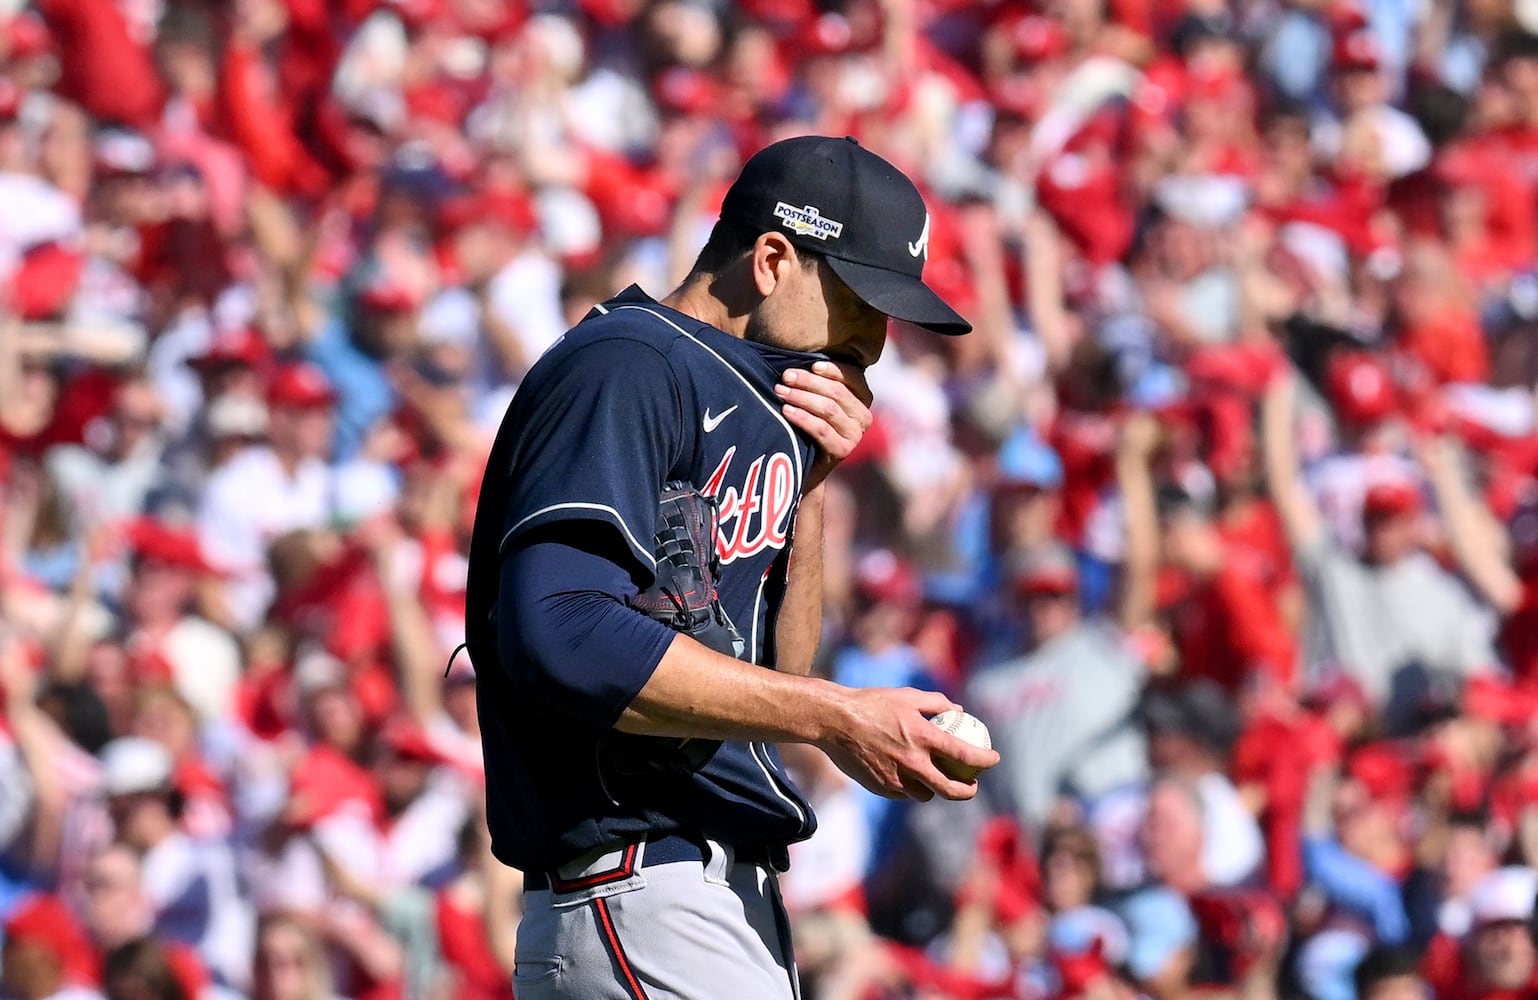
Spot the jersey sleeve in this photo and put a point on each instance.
(601, 427)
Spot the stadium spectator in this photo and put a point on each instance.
(1387, 973)
(191, 885)
(45, 955)
(1242, 931)
(1064, 712)
(290, 964)
(1191, 734)
(1390, 618)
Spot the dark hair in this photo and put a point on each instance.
(1076, 841)
(1470, 819)
(79, 711)
(1200, 710)
(1512, 45)
(729, 241)
(144, 964)
(1172, 501)
(1439, 110)
(467, 842)
(1284, 111)
(1382, 963)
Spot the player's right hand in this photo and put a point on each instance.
(831, 405)
(887, 743)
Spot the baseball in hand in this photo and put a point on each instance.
(969, 728)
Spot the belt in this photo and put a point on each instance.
(664, 850)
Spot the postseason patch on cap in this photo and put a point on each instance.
(807, 221)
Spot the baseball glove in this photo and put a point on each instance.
(683, 596)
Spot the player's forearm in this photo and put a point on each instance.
(798, 627)
(697, 692)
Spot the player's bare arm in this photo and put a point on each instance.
(830, 404)
(798, 629)
(881, 737)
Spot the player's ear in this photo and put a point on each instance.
(772, 259)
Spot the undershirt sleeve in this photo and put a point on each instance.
(564, 627)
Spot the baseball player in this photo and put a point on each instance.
(630, 772)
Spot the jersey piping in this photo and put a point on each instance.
(581, 505)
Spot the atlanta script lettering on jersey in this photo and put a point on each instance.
(768, 491)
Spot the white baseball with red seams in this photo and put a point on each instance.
(966, 727)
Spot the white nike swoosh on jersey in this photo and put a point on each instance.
(711, 423)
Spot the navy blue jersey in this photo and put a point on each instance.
(635, 395)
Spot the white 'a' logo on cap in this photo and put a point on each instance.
(922, 245)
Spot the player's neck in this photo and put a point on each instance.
(699, 298)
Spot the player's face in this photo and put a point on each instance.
(811, 309)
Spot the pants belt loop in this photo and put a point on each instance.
(719, 860)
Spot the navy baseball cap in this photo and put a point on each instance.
(835, 198)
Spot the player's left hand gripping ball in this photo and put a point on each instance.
(966, 727)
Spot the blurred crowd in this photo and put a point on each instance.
(1225, 518)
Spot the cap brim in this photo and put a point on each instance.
(900, 296)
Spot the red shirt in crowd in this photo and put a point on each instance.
(1445, 971)
(1085, 441)
(1519, 636)
(462, 937)
(1228, 626)
(1278, 751)
(1451, 346)
(101, 66)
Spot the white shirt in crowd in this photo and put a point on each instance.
(193, 887)
(1377, 623)
(833, 861)
(426, 834)
(1233, 847)
(94, 489)
(32, 212)
(1232, 844)
(248, 502)
(205, 666)
(1063, 719)
(16, 794)
(525, 295)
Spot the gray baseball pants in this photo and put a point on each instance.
(680, 931)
